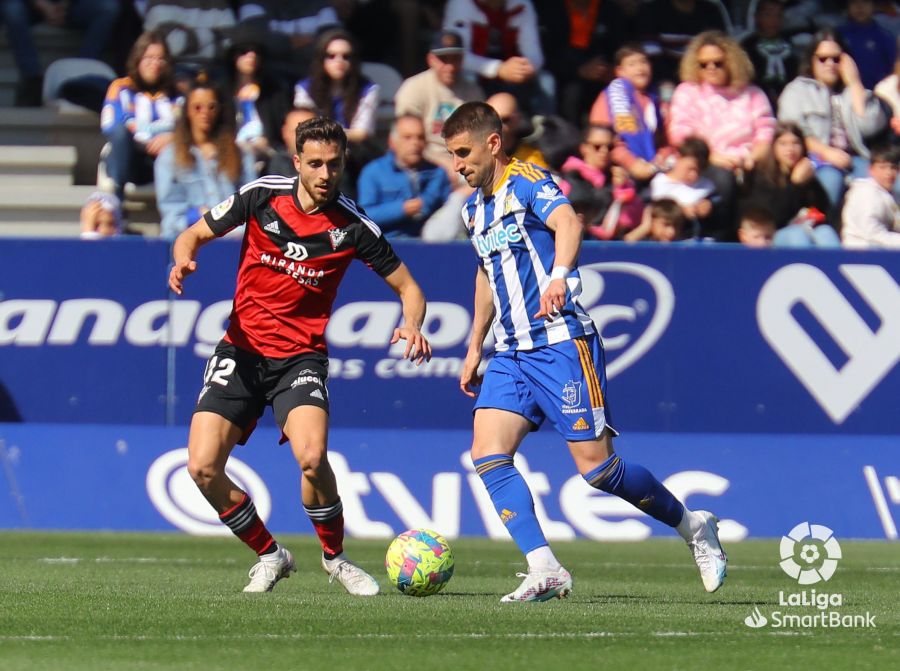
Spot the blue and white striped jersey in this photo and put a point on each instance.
(509, 233)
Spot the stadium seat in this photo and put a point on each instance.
(67, 69)
(388, 80)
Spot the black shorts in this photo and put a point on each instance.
(238, 385)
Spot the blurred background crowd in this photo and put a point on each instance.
(765, 122)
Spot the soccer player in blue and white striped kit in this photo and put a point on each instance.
(549, 361)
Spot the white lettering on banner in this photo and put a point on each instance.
(162, 323)
(25, 322)
(437, 367)
(211, 328)
(363, 324)
(880, 499)
(445, 502)
(178, 500)
(176, 497)
(593, 286)
(870, 355)
(109, 318)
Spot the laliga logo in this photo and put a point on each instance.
(870, 354)
(594, 278)
(176, 497)
(813, 540)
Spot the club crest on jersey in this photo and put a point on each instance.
(571, 393)
(337, 236)
(510, 203)
(222, 208)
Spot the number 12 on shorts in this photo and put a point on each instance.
(218, 371)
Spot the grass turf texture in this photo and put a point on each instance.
(159, 601)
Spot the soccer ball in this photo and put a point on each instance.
(419, 562)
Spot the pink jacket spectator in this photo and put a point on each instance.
(626, 207)
(730, 122)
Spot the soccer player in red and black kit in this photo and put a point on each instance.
(300, 236)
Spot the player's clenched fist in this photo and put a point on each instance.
(179, 271)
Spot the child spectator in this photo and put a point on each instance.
(101, 216)
(872, 47)
(627, 106)
(684, 184)
(756, 227)
(663, 222)
(870, 216)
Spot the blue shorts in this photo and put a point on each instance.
(565, 383)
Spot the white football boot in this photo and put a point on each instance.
(541, 586)
(356, 581)
(270, 569)
(708, 553)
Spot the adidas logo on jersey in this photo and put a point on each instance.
(581, 425)
(272, 227)
(317, 394)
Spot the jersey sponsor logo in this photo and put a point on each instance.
(176, 497)
(303, 274)
(870, 354)
(222, 208)
(631, 305)
(272, 227)
(497, 239)
(306, 377)
(337, 236)
(317, 393)
(296, 251)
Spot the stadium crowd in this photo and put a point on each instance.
(768, 122)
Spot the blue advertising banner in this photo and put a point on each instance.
(127, 477)
(699, 338)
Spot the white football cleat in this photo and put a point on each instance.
(541, 586)
(270, 569)
(708, 553)
(356, 581)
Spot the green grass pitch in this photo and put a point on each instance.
(161, 601)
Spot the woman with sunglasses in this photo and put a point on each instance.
(203, 165)
(716, 102)
(835, 112)
(336, 87)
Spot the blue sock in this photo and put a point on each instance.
(512, 500)
(636, 484)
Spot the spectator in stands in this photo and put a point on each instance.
(694, 193)
(784, 181)
(716, 102)
(433, 95)
(293, 26)
(756, 227)
(628, 107)
(138, 115)
(401, 190)
(770, 51)
(282, 159)
(335, 86)
(835, 112)
(871, 217)
(618, 207)
(870, 45)
(888, 89)
(95, 17)
(514, 129)
(203, 165)
(503, 48)
(193, 29)
(663, 221)
(259, 99)
(579, 39)
(101, 216)
(667, 26)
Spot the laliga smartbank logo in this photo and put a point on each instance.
(809, 554)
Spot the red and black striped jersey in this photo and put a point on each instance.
(292, 263)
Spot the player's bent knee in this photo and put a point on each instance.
(312, 459)
(202, 473)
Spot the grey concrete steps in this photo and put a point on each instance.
(37, 165)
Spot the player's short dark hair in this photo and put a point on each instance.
(626, 50)
(474, 117)
(668, 209)
(754, 213)
(320, 129)
(695, 147)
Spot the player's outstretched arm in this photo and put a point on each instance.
(413, 301)
(484, 315)
(564, 222)
(184, 253)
